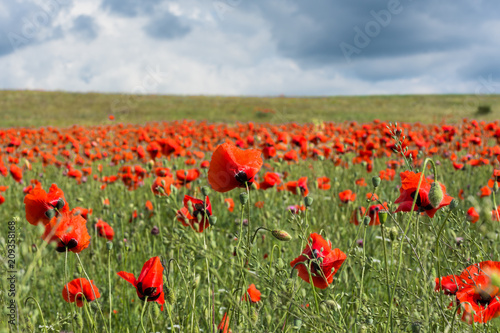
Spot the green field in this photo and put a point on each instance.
(39, 108)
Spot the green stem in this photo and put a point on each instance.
(437, 247)
(142, 313)
(109, 285)
(39, 309)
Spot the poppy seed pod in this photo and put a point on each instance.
(243, 198)
(308, 201)
(281, 235)
(436, 194)
(382, 215)
(376, 181)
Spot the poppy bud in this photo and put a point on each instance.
(243, 198)
(212, 220)
(308, 201)
(297, 323)
(393, 234)
(280, 264)
(453, 204)
(60, 204)
(376, 181)
(109, 245)
(79, 269)
(436, 194)
(281, 235)
(254, 316)
(50, 214)
(205, 190)
(382, 216)
(169, 296)
(155, 231)
(332, 304)
(495, 187)
(366, 220)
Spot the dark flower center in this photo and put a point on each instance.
(71, 244)
(149, 292)
(484, 298)
(418, 203)
(241, 177)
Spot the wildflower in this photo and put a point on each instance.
(41, 206)
(69, 232)
(318, 258)
(150, 281)
(105, 230)
(80, 289)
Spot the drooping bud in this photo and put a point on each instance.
(308, 201)
(453, 204)
(60, 203)
(243, 198)
(50, 214)
(281, 235)
(382, 216)
(436, 194)
(376, 181)
(212, 220)
(205, 190)
(169, 295)
(366, 220)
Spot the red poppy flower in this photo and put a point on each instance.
(484, 192)
(224, 325)
(187, 176)
(270, 180)
(229, 203)
(299, 185)
(254, 294)
(323, 183)
(495, 214)
(149, 208)
(16, 172)
(409, 183)
(150, 281)
(195, 213)
(69, 231)
(2, 199)
(161, 185)
(41, 206)
(472, 215)
(322, 261)
(346, 196)
(79, 289)
(372, 213)
(232, 167)
(473, 289)
(84, 212)
(105, 230)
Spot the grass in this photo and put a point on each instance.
(63, 109)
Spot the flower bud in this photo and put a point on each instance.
(254, 316)
(453, 204)
(281, 235)
(308, 201)
(393, 233)
(243, 198)
(205, 190)
(376, 181)
(436, 194)
(382, 216)
(212, 220)
(495, 187)
(366, 220)
(169, 295)
(155, 231)
(109, 245)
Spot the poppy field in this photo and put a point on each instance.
(190, 226)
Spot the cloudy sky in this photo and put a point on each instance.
(251, 47)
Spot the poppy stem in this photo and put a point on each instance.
(363, 268)
(109, 285)
(257, 230)
(437, 247)
(39, 309)
(142, 313)
(386, 263)
(93, 292)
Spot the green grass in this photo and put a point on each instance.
(38, 108)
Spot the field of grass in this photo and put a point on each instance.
(62, 109)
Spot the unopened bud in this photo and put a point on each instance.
(205, 190)
(495, 187)
(366, 220)
(109, 245)
(212, 220)
(254, 316)
(308, 201)
(169, 296)
(453, 204)
(243, 198)
(281, 235)
(436, 194)
(376, 181)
